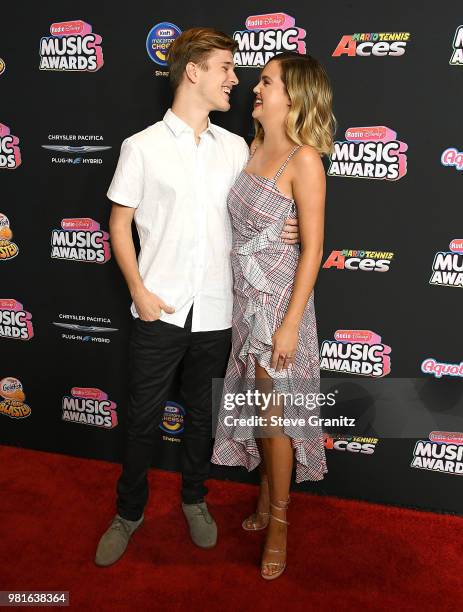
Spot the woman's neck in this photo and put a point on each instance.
(276, 140)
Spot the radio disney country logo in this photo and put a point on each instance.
(378, 44)
(457, 54)
(84, 328)
(10, 155)
(452, 157)
(264, 37)
(447, 267)
(158, 41)
(76, 147)
(367, 261)
(356, 351)
(443, 452)
(172, 421)
(80, 239)
(8, 249)
(12, 402)
(439, 368)
(89, 406)
(72, 47)
(369, 153)
(15, 322)
(352, 444)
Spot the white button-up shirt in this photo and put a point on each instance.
(180, 192)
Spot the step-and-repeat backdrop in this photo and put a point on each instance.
(76, 79)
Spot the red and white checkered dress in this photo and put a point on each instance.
(264, 270)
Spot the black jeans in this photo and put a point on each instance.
(156, 351)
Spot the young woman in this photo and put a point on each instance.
(274, 335)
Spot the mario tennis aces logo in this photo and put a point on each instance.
(90, 407)
(71, 47)
(356, 351)
(447, 267)
(371, 153)
(352, 444)
(10, 155)
(379, 261)
(80, 240)
(15, 322)
(377, 44)
(266, 36)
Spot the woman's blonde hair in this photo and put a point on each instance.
(310, 119)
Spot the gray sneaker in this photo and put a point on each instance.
(203, 528)
(114, 541)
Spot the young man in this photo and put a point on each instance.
(173, 179)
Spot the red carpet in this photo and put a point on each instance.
(343, 554)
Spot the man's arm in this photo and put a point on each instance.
(147, 304)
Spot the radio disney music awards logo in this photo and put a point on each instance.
(447, 267)
(367, 261)
(76, 147)
(369, 153)
(80, 239)
(457, 54)
(264, 37)
(12, 402)
(172, 421)
(351, 444)
(8, 249)
(443, 452)
(10, 155)
(72, 47)
(2, 66)
(158, 41)
(439, 368)
(89, 406)
(377, 44)
(85, 328)
(452, 157)
(15, 322)
(356, 351)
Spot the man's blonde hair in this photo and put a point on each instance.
(194, 45)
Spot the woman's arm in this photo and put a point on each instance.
(309, 188)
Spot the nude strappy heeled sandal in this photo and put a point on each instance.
(254, 525)
(280, 565)
(253, 518)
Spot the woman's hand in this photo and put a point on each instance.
(284, 346)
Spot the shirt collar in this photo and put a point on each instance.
(178, 126)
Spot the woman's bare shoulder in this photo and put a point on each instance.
(307, 160)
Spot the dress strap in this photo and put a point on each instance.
(280, 171)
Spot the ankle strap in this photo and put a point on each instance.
(281, 505)
(275, 518)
